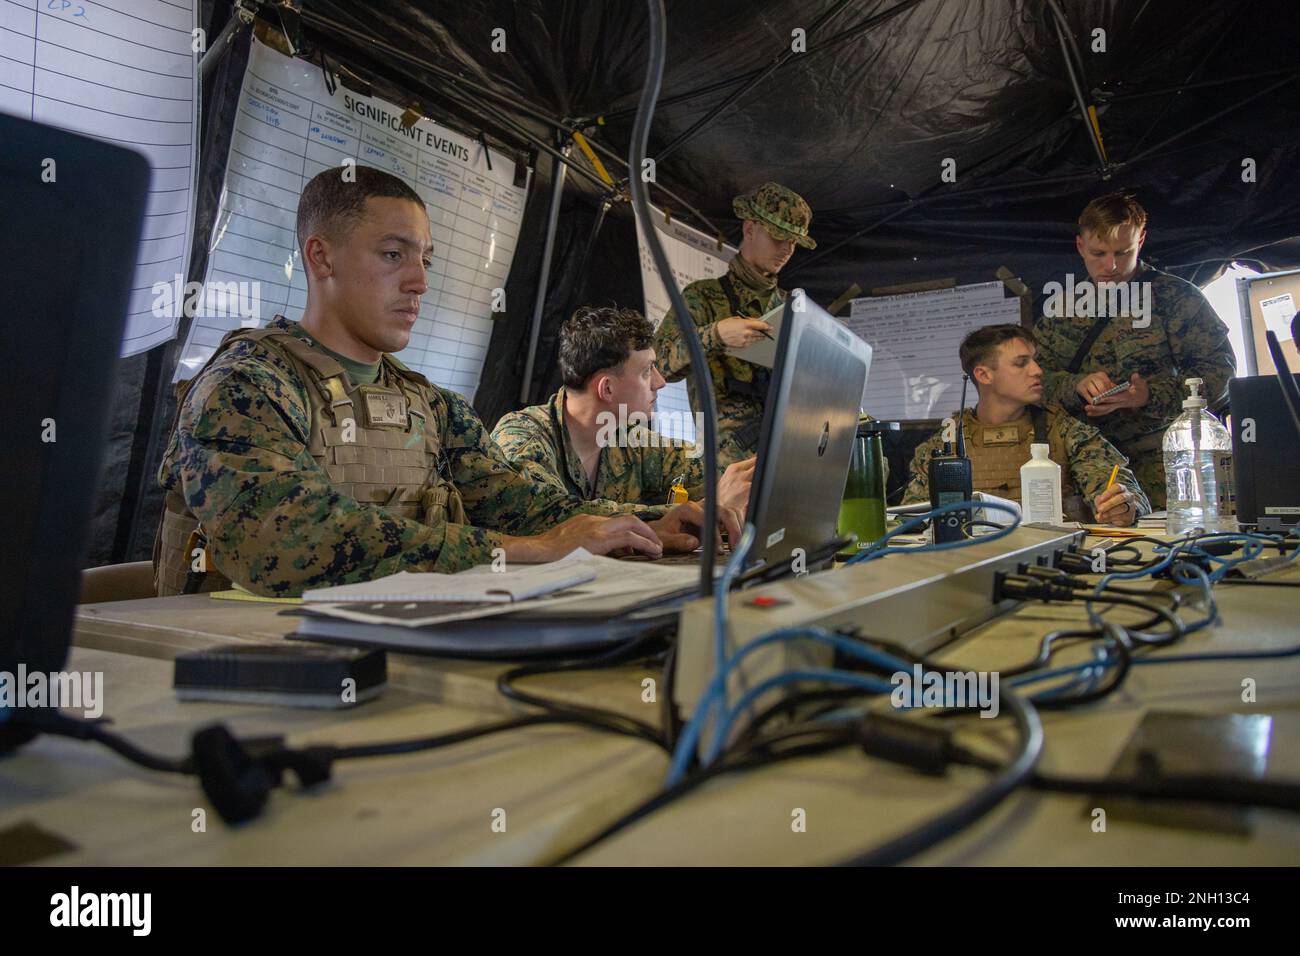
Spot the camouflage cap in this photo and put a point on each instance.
(782, 212)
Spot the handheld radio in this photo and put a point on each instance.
(951, 480)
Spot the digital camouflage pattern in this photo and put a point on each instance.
(739, 387)
(1186, 339)
(781, 211)
(537, 442)
(275, 523)
(1089, 459)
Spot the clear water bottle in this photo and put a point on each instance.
(1198, 469)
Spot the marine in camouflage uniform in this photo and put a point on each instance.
(997, 452)
(739, 387)
(641, 469)
(299, 477)
(1186, 339)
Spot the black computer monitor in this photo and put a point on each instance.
(810, 420)
(1265, 451)
(67, 257)
(1290, 393)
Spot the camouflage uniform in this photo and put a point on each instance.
(640, 470)
(1085, 457)
(739, 387)
(1186, 339)
(248, 461)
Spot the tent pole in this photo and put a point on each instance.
(580, 276)
(928, 198)
(1079, 97)
(513, 102)
(1210, 119)
(558, 173)
(1142, 94)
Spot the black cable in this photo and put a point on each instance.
(1194, 787)
(416, 744)
(1059, 576)
(595, 717)
(1261, 583)
(792, 702)
(699, 364)
(1117, 640)
(1024, 586)
(746, 761)
(1154, 784)
(972, 809)
(1177, 628)
(670, 718)
(1048, 646)
(61, 725)
(627, 652)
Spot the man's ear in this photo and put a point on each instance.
(1078, 243)
(317, 258)
(1142, 238)
(603, 387)
(982, 374)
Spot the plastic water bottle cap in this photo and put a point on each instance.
(1039, 452)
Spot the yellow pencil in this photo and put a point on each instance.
(1114, 472)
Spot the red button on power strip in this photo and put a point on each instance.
(765, 601)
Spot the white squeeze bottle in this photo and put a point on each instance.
(1198, 469)
(1040, 488)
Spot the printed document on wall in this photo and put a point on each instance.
(125, 73)
(289, 127)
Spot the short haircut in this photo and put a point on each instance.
(330, 207)
(981, 346)
(600, 337)
(1106, 214)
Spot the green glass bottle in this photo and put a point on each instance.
(862, 510)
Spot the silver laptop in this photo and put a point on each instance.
(809, 423)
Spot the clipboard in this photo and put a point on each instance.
(763, 352)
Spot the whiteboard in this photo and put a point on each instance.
(288, 128)
(692, 256)
(915, 371)
(123, 72)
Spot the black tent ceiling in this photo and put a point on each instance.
(862, 119)
(861, 122)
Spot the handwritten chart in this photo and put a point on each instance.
(915, 372)
(288, 128)
(692, 256)
(123, 72)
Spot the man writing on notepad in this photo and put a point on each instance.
(1168, 333)
(728, 314)
(1010, 416)
(592, 440)
(305, 455)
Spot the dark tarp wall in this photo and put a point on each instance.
(859, 124)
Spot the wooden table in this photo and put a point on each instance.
(560, 785)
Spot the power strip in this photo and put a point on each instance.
(919, 601)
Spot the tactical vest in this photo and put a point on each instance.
(377, 443)
(996, 460)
